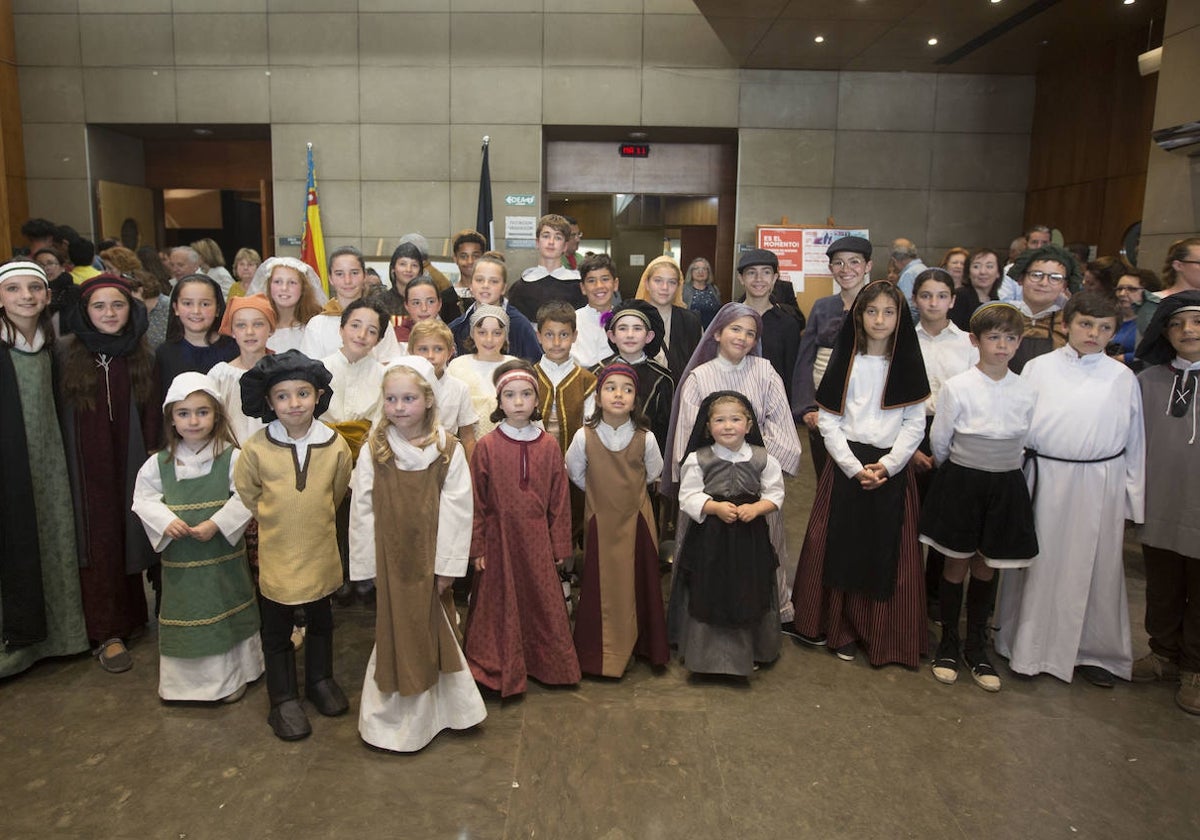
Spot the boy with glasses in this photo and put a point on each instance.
(1044, 274)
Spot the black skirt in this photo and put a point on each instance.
(863, 545)
(969, 510)
(729, 569)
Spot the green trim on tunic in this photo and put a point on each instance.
(65, 632)
(208, 602)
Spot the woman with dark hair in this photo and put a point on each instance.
(983, 281)
(111, 425)
(194, 341)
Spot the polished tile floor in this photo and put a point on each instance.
(810, 748)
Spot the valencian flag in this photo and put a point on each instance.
(312, 248)
(483, 215)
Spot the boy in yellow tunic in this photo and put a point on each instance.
(292, 476)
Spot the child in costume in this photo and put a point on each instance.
(566, 390)
(661, 286)
(292, 475)
(356, 377)
(1171, 535)
(613, 459)
(518, 624)
(39, 569)
(977, 512)
(859, 580)
(433, 342)
(296, 295)
(111, 424)
(348, 280)
(194, 340)
(422, 302)
(250, 321)
(208, 640)
(487, 350)
(724, 615)
(728, 358)
(411, 533)
(599, 282)
(549, 279)
(1085, 463)
(635, 335)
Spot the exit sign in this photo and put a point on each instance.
(635, 150)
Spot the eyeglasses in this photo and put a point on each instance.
(1039, 276)
(837, 265)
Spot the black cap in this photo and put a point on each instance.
(853, 244)
(291, 364)
(758, 256)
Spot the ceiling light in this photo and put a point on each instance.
(1128, 2)
(820, 39)
(932, 42)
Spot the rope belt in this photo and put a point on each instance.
(1034, 456)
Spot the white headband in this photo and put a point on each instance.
(23, 268)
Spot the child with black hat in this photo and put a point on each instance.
(635, 334)
(782, 322)
(1171, 535)
(292, 476)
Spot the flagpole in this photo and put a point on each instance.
(483, 213)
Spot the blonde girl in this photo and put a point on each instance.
(209, 647)
(410, 531)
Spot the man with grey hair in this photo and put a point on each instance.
(183, 261)
(908, 262)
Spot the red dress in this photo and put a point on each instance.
(518, 623)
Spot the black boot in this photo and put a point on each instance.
(945, 661)
(319, 686)
(980, 595)
(287, 718)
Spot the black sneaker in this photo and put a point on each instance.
(1097, 676)
(945, 661)
(811, 641)
(846, 652)
(982, 672)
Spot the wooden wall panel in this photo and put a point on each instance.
(208, 164)
(14, 201)
(1089, 144)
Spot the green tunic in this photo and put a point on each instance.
(65, 633)
(208, 602)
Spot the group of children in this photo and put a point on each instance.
(389, 472)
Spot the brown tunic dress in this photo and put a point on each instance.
(620, 600)
(414, 642)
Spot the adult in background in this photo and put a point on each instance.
(700, 292)
(1131, 286)
(955, 262)
(1181, 273)
(184, 261)
(214, 263)
(908, 262)
(245, 262)
(1044, 274)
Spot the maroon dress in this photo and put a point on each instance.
(106, 445)
(518, 624)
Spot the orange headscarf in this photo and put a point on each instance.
(258, 302)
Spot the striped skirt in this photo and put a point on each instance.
(891, 631)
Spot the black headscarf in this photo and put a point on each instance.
(906, 383)
(1154, 348)
(700, 436)
(124, 342)
(644, 310)
(292, 364)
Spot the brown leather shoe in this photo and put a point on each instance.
(1154, 667)
(1188, 696)
(114, 656)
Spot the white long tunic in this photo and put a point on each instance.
(1070, 607)
(357, 388)
(206, 677)
(286, 338)
(392, 721)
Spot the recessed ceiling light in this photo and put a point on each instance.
(1128, 2)
(203, 132)
(820, 39)
(932, 42)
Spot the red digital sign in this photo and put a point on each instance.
(636, 150)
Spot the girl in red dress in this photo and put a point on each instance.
(518, 624)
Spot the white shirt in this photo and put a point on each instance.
(898, 429)
(317, 433)
(530, 432)
(972, 403)
(455, 507)
(614, 440)
(455, 409)
(357, 388)
(286, 338)
(591, 344)
(946, 354)
(692, 497)
(231, 520)
(229, 385)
